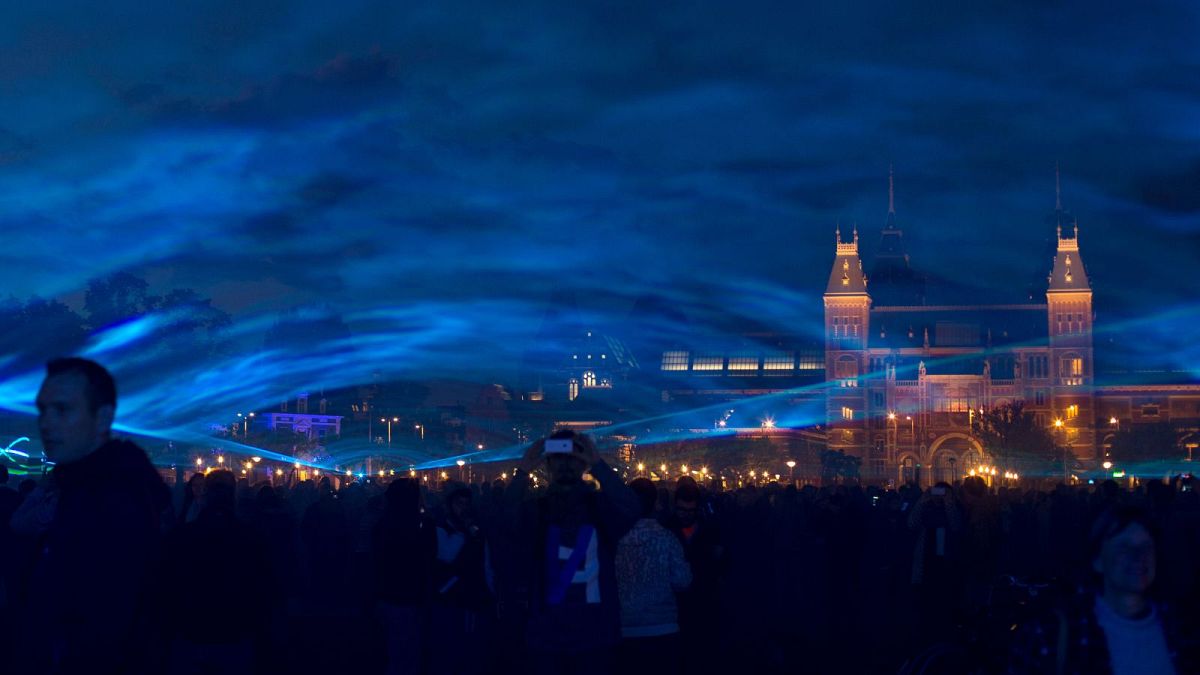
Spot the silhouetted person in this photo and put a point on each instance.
(97, 518)
(216, 632)
(460, 625)
(405, 545)
(700, 603)
(1115, 627)
(570, 536)
(651, 568)
(938, 522)
(326, 533)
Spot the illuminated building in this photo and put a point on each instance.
(900, 376)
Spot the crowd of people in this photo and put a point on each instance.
(106, 569)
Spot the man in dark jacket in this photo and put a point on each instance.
(570, 535)
(104, 501)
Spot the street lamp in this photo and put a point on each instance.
(1107, 465)
(641, 468)
(420, 428)
(791, 465)
(245, 423)
(461, 463)
(389, 425)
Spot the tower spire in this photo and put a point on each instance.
(891, 191)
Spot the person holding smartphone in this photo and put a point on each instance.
(568, 537)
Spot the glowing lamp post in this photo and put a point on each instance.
(791, 465)
(420, 428)
(461, 463)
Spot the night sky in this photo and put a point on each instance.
(432, 172)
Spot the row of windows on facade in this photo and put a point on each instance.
(956, 404)
(590, 381)
(847, 326)
(846, 368)
(1070, 323)
(745, 363)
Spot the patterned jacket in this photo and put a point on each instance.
(651, 567)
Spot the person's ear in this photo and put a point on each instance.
(104, 419)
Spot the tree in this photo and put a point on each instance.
(116, 298)
(1146, 443)
(193, 327)
(837, 465)
(36, 331)
(1014, 438)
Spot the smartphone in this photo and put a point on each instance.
(559, 446)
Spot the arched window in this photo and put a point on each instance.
(589, 379)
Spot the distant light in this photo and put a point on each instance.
(891, 416)
(791, 464)
(1058, 422)
(199, 461)
(256, 459)
(1118, 474)
(221, 460)
(1112, 420)
(278, 472)
(1107, 465)
(297, 465)
(641, 467)
(480, 446)
(349, 472)
(461, 462)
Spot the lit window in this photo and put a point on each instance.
(1072, 411)
(812, 361)
(778, 361)
(708, 363)
(845, 370)
(573, 389)
(743, 363)
(675, 361)
(847, 413)
(589, 379)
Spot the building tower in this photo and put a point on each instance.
(1069, 313)
(847, 315)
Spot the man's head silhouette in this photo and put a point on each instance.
(76, 405)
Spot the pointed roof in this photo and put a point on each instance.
(1068, 273)
(847, 277)
(895, 282)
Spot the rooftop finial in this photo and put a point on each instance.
(838, 230)
(1057, 189)
(891, 190)
(1076, 229)
(856, 233)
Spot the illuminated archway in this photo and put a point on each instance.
(948, 456)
